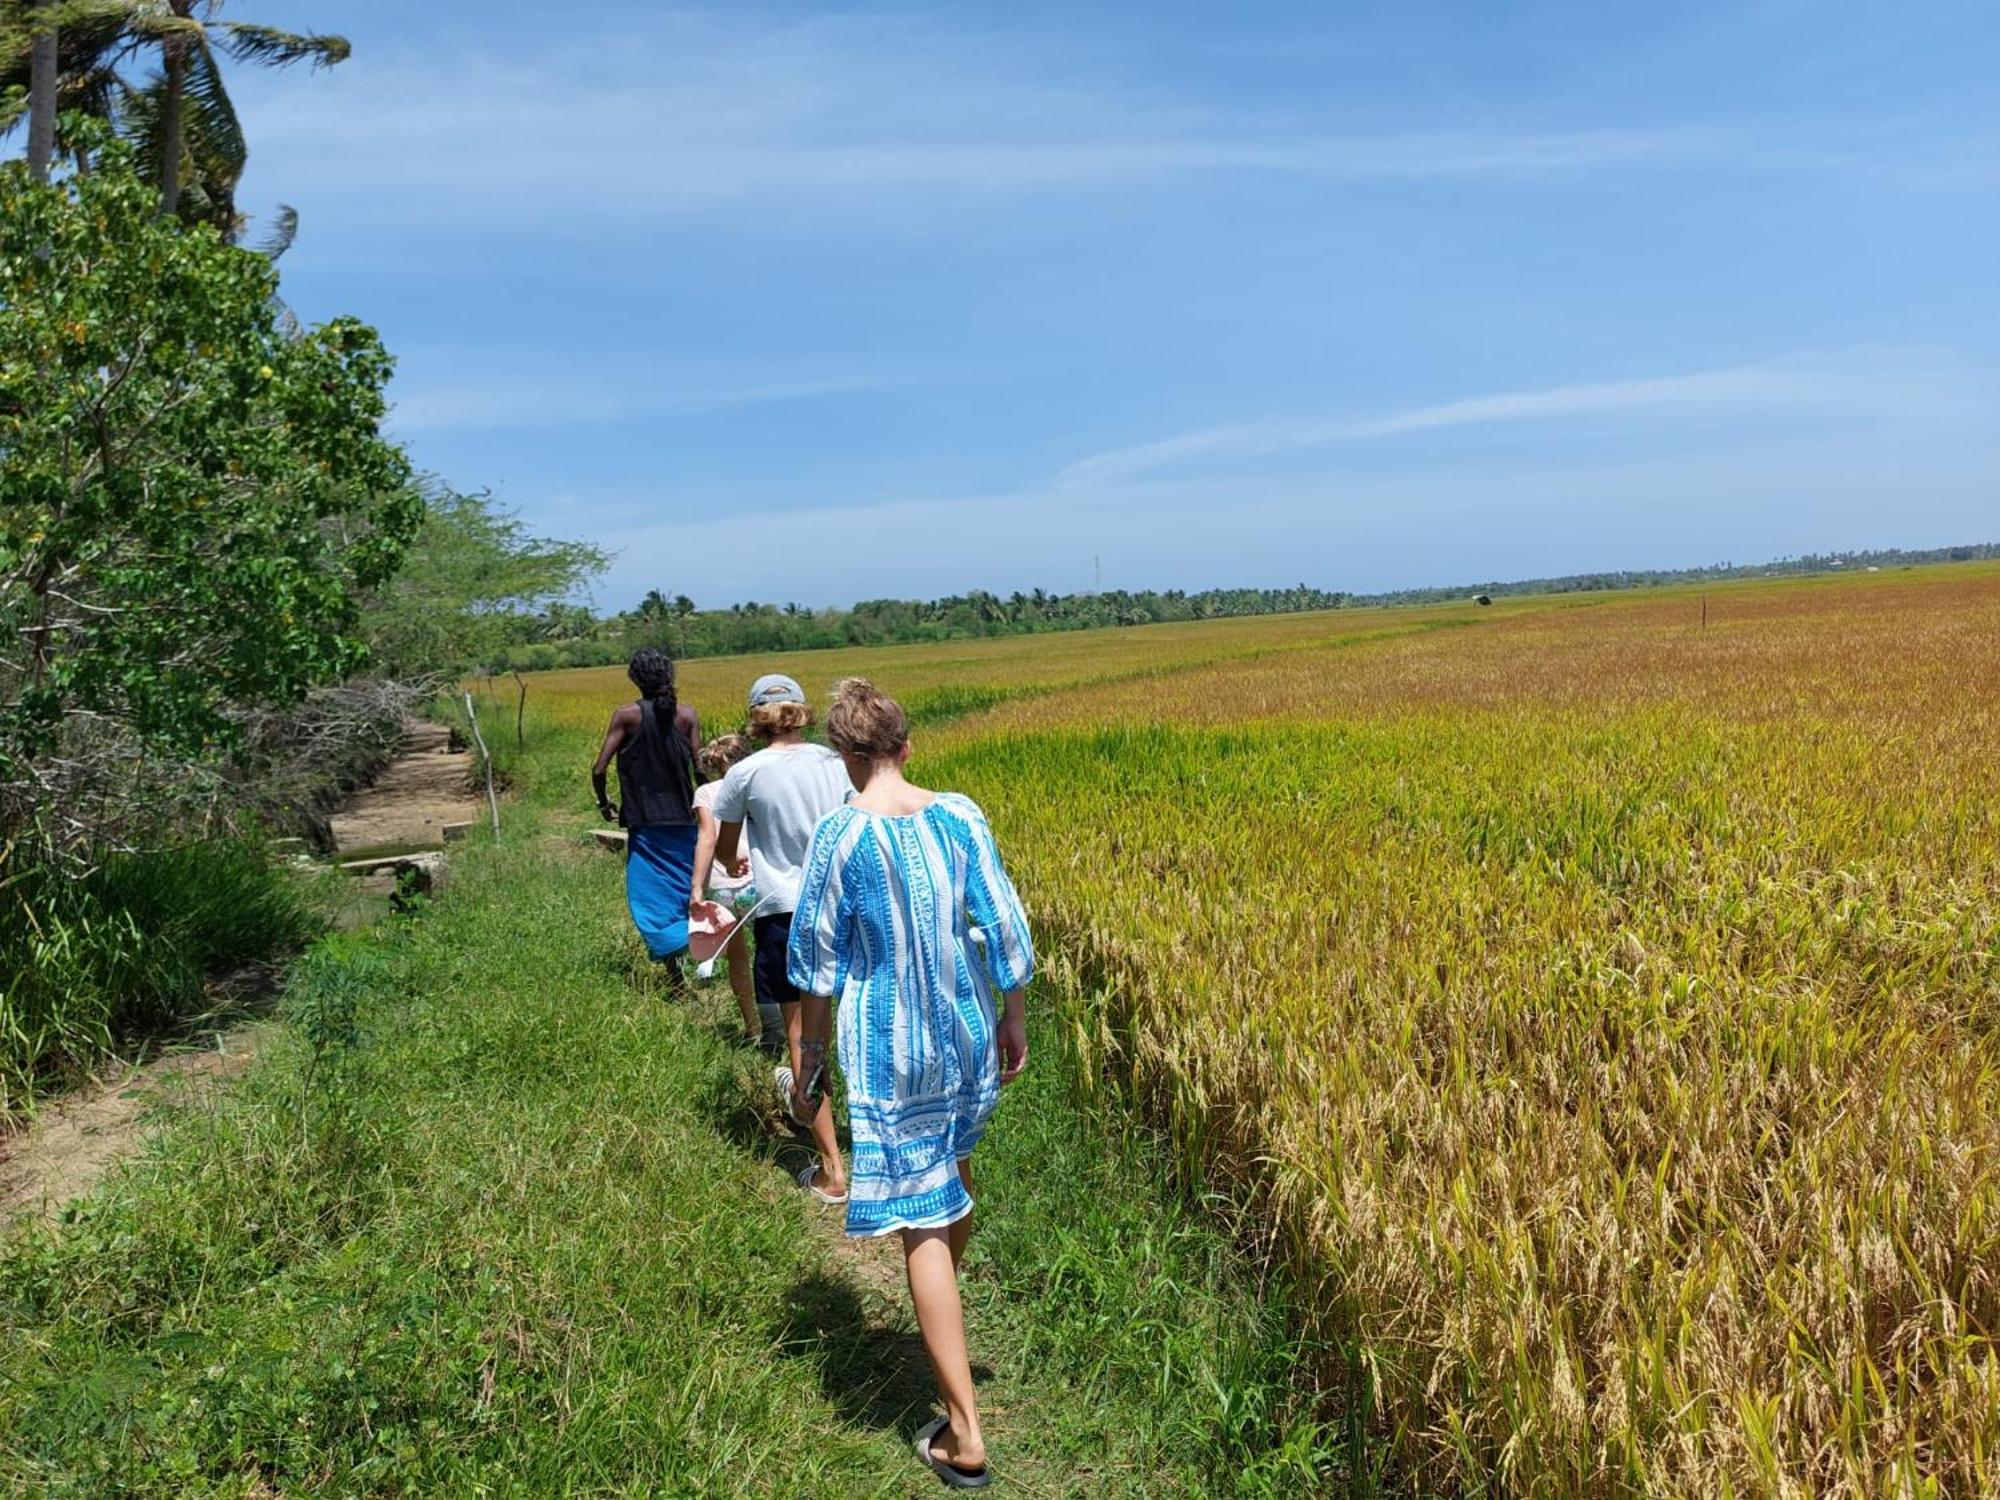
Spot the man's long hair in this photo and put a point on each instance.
(652, 673)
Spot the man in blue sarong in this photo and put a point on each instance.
(654, 741)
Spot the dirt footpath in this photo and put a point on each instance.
(426, 787)
(77, 1139)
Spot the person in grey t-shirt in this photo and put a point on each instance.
(778, 797)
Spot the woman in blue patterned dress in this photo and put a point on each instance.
(907, 917)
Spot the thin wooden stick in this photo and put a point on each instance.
(492, 802)
(521, 715)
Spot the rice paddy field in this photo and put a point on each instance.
(1593, 1003)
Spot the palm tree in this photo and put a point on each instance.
(42, 68)
(85, 40)
(182, 121)
(185, 119)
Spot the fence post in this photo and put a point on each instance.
(492, 802)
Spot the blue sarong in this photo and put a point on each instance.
(659, 877)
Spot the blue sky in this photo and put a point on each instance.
(789, 302)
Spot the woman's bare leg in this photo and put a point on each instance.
(746, 993)
(961, 1227)
(832, 1171)
(940, 1317)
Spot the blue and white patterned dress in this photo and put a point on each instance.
(912, 926)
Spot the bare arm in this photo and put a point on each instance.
(623, 721)
(1013, 1037)
(688, 722)
(708, 851)
(704, 850)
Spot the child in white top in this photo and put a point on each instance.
(731, 887)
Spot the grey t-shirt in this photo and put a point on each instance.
(779, 795)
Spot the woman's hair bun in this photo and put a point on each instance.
(866, 721)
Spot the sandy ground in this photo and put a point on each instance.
(77, 1139)
(427, 786)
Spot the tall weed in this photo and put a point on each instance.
(88, 963)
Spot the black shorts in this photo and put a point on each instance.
(774, 936)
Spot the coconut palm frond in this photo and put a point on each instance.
(214, 133)
(139, 123)
(213, 151)
(79, 40)
(248, 42)
(13, 107)
(95, 92)
(278, 238)
(145, 27)
(21, 23)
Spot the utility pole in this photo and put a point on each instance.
(1097, 574)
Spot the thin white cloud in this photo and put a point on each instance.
(1797, 383)
(1912, 422)
(540, 402)
(866, 122)
(1745, 500)
(684, 114)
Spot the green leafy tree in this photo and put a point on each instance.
(190, 499)
(474, 582)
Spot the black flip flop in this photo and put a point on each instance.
(952, 1476)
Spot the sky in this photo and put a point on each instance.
(792, 302)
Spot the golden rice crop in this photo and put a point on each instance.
(1601, 1009)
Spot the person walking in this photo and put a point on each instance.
(654, 741)
(906, 916)
(778, 795)
(731, 888)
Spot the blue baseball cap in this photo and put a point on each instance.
(775, 687)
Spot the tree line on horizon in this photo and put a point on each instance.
(1722, 572)
(562, 633)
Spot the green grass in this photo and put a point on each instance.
(125, 952)
(490, 1218)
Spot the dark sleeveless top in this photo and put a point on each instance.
(655, 774)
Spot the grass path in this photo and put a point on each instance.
(489, 1218)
